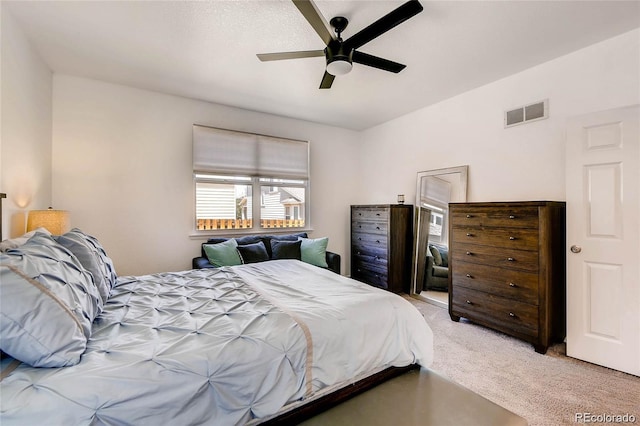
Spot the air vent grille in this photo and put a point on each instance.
(527, 113)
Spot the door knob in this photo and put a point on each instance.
(576, 249)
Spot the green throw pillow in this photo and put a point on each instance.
(223, 254)
(314, 251)
(437, 257)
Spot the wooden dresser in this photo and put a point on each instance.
(507, 268)
(381, 245)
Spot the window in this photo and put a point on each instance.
(232, 169)
(223, 202)
(283, 205)
(437, 225)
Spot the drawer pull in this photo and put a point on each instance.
(469, 216)
(469, 302)
(378, 241)
(469, 253)
(377, 227)
(512, 238)
(469, 234)
(511, 216)
(511, 259)
(377, 214)
(512, 315)
(512, 285)
(469, 276)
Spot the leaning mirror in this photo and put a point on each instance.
(435, 189)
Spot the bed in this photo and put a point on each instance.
(244, 344)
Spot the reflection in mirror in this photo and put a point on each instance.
(434, 191)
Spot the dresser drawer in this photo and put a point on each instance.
(516, 285)
(372, 241)
(495, 256)
(524, 217)
(378, 228)
(501, 313)
(369, 214)
(521, 239)
(368, 251)
(370, 276)
(369, 261)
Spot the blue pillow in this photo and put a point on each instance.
(105, 260)
(223, 254)
(48, 303)
(282, 249)
(91, 258)
(253, 253)
(314, 251)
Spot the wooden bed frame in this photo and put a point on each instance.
(325, 402)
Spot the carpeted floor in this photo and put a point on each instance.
(546, 389)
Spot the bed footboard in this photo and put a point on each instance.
(325, 402)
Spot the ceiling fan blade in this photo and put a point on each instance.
(313, 16)
(376, 62)
(289, 55)
(384, 24)
(327, 81)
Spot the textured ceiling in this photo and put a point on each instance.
(207, 49)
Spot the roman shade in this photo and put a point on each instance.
(223, 151)
(435, 191)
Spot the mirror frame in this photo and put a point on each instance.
(464, 173)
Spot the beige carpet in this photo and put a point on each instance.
(544, 389)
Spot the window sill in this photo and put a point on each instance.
(228, 233)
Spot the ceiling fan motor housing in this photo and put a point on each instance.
(339, 58)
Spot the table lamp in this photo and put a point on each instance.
(55, 221)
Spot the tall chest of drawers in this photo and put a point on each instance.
(507, 268)
(381, 245)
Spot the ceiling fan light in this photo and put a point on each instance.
(339, 67)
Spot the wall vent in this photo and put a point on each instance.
(527, 113)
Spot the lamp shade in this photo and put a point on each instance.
(55, 221)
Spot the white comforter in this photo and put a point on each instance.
(221, 347)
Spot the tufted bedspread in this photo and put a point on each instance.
(227, 346)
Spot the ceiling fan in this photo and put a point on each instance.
(340, 54)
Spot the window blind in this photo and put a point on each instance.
(436, 191)
(227, 151)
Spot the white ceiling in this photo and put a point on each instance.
(207, 49)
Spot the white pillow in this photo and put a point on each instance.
(18, 241)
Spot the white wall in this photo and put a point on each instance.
(525, 162)
(25, 144)
(122, 165)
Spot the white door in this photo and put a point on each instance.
(603, 253)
